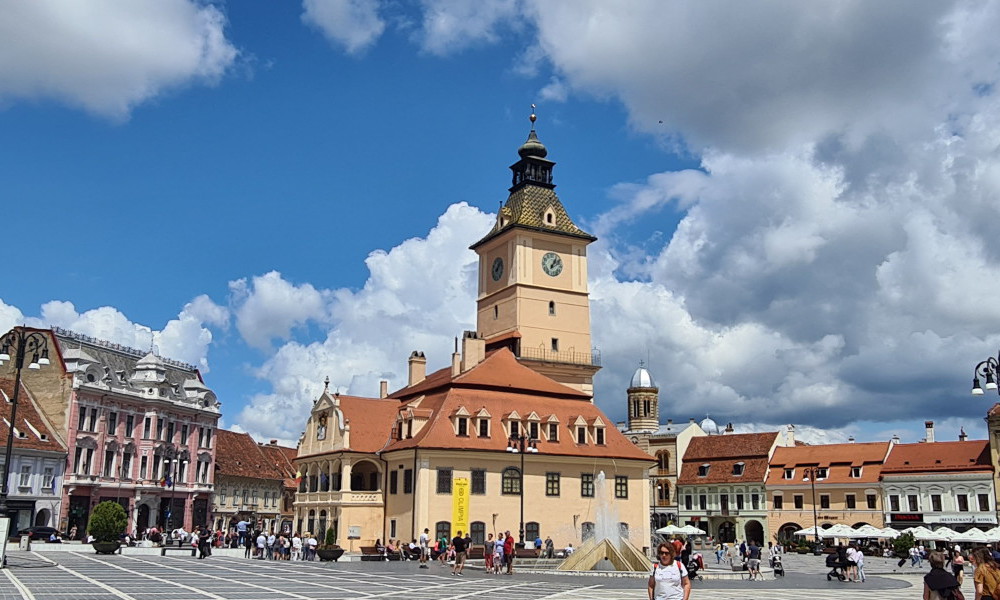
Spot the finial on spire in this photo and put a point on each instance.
(326, 384)
(533, 117)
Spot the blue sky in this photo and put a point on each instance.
(284, 191)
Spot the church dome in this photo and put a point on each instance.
(642, 379)
(532, 147)
(709, 426)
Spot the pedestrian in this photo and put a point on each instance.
(914, 557)
(508, 552)
(313, 544)
(938, 583)
(987, 574)
(958, 566)
(442, 545)
(669, 579)
(498, 555)
(753, 561)
(296, 546)
(488, 553)
(269, 548)
(425, 549)
(550, 548)
(459, 544)
(246, 549)
(204, 542)
(261, 546)
(538, 546)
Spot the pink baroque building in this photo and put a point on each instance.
(139, 430)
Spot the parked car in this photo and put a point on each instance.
(38, 533)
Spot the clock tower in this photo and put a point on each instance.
(533, 295)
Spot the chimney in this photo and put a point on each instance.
(473, 350)
(274, 442)
(895, 439)
(850, 440)
(729, 428)
(929, 427)
(691, 420)
(456, 361)
(417, 368)
(962, 435)
(790, 435)
(383, 389)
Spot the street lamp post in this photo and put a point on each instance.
(988, 370)
(174, 463)
(521, 444)
(22, 342)
(812, 473)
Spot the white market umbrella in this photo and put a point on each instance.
(806, 531)
(670, 530)
(868, 531)
(945, 533)
(692, 530)
(838, 531)
(972, 536)
(920, 530)
(890, 533)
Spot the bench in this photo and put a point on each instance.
(370, 553)
(475, 553)
(163, 550)
(525, 553)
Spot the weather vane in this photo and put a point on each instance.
(533, 117)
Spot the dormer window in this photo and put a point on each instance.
(856, 472)
(703, 470)
(581, 435)
(533, 431)
(599, 435)
(399, 430)
(463, 427)
(553, 432)
(515, 429)
(822, 472)
(738, 469)
(484, 428)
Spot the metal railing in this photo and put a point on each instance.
(567, 357)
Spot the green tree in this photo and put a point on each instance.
(330, 539)
(902, 545)
(108, 522)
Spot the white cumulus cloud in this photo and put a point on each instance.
(354, 24)
(108, 57)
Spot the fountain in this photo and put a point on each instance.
(608, 548)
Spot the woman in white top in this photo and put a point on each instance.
(669, 579)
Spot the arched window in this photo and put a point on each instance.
(663, 491)
(478, 532)
(511, 481)
(531, 532)
(311, 522)
(663, 460)
(442, 529)
(322, 523)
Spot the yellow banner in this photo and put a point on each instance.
(460, 506)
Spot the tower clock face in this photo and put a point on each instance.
(497, 269)
(552, 264)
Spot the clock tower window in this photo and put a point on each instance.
(555, 344)
(496, 312)
(552, 308)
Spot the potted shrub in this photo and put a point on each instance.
(329, 550)
(107, 524)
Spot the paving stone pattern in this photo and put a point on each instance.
(71, 576)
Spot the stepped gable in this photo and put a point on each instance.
(936, 457)
(238, 455)
(722, 452)
(838, 458)
(502, 386)
(30, 422)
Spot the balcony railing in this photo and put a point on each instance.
(568, 357)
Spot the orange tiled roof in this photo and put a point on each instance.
(371, 421)
(721, 453)
(938, 457)
(27, 412)
(837, 458)
(500, 370)
(238, 455)
(283, 459)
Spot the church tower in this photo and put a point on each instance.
(643, 402)
(533, 295)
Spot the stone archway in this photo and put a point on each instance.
(42, 518)
(786, 533)
(754, 531)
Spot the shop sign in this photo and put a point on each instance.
(906, 517)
